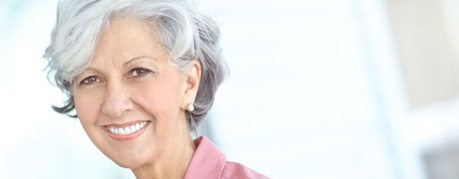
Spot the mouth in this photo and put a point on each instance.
(127, 131)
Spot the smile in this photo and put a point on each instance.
(127, 130)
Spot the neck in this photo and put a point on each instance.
(173, 163)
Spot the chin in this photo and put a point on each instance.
(127, 164)
(130, 163)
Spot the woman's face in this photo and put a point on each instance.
(131, 100)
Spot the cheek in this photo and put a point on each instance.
(155, 98)
(161, 99)
(86, 108)
(165, 94)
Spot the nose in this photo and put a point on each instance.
(117, 101)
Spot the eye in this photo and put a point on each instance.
(89, 80)
(139, 72)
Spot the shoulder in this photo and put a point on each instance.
(209, 163)
(233, 170)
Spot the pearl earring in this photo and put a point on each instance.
(190, 107)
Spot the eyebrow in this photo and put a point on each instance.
(138, 58)
(125, 63)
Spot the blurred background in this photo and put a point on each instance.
(349, 89)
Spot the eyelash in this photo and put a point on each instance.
(134, 73)
(140, 72)
(89, 80)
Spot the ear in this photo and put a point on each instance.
(192, 79)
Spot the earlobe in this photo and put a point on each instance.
(190, 107)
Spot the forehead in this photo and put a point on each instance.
(127, 38)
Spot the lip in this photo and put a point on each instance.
(126, 137)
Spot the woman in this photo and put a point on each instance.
(141, 75)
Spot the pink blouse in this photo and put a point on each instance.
(209, 163)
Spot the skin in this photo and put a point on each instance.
(130, 79)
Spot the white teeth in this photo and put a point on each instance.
(133, 128)
(127, 130)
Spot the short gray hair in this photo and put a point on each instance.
(184, 33)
